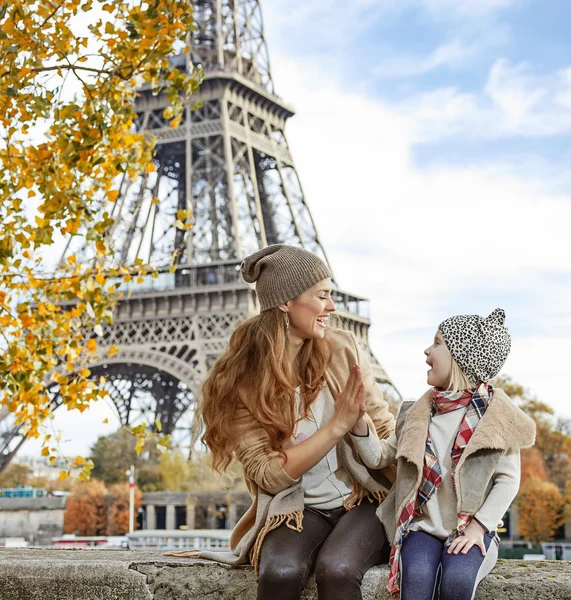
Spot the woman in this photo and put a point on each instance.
(295, 402)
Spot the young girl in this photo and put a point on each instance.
(458, 469)
(296, 403)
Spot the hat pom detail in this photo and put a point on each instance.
(497, 316)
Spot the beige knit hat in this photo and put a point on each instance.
(282, 273)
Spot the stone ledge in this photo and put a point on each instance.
(34, 574)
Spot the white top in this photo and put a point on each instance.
(327, 484)
(439, 515)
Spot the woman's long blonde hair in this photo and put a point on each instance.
(255, 367)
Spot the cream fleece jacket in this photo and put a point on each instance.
(439, 514)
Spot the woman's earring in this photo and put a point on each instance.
(286, 321)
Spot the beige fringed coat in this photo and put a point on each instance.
(504, 428)
(276, 497)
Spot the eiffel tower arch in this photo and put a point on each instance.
(229, 162)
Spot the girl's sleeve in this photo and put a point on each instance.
(260, 463)
(504, 490)
(376, 453)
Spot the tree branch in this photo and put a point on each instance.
(73, 68)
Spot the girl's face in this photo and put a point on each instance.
(309, 313)
(439, 359)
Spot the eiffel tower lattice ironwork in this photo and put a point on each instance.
(228, 162)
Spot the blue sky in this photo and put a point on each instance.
(433, 141)
(432, 138)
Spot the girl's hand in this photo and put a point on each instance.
(473, 536)
(350, 403)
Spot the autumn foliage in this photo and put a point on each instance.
(69, 74)
(541, 511)
(543, 499)
(86, 510)
(92, 509)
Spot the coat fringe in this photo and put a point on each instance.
(359, 493)
(292, 520)
(184, 553)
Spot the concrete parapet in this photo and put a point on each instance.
(42, 503)
(34, 574)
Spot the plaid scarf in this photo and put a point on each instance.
(477, 401)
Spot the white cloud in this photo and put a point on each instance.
(414, 241)
(451, 54)
(514, 102)
(515, 91)
(466, 8)
(563, 96)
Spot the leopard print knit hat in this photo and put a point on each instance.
(479, 345)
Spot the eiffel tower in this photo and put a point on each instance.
(228, 162)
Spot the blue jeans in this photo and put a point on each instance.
(425, 562)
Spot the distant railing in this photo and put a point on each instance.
(220, 274)
(197, 276)
(354, 305)
(22, 492)
(190, 539)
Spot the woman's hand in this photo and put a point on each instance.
(361, 427)
(350, 403)
(473, 536)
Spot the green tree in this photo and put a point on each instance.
(114, 454)
(175, 472)
(67, 135)
(203, 478)
(15, 474)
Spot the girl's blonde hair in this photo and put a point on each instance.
(255, 365)
(458, 382)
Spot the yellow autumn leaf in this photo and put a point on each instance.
(113, 350)
(62, 183)
(79, 460)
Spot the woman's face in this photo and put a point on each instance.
(309, 313)
(439, 359)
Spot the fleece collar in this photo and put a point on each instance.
(504, 426)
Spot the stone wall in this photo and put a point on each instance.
(36, 519)
(29, 574)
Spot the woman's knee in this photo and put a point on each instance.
(281, 575)
(336, 572)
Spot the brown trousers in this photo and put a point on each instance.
(341, 546)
